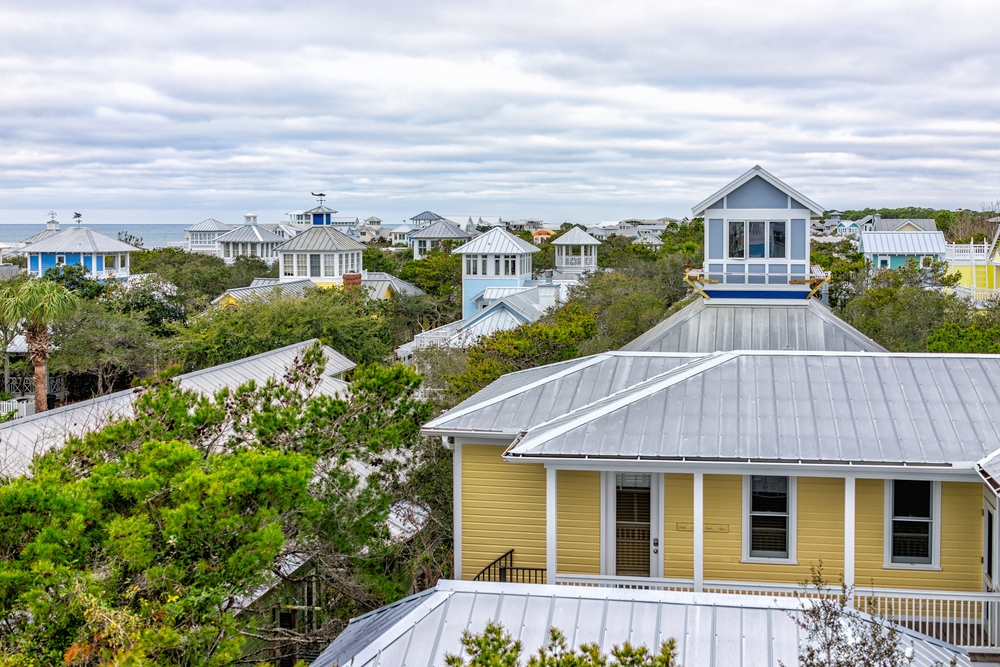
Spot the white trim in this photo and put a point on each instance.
(792, 537)
(656, 497)
(757, 170)
(607, 522)
(456, 483)
(850, 506)
(551, 534)
(989, 505)
(699, 531)
(935, 564)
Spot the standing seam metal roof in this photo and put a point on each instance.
(442, 229)
(712, 630)
(903, 243)
(320, 239)
(496, 241)
(209, 225)
(78, 239)
(576, 236)
(249, 234)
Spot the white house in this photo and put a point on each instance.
(250, 240)
(434, 236)
(322, 254)
(202, 237)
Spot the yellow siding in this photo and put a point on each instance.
(961, 540)
(578, 521)
(985, 274)
(678, 515)
(503, 507)
(820, 529)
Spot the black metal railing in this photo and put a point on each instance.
(502, 569)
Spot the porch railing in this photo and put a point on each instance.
(503, 570)
(25, 386)
(968, 620)
(19, 408)
(967, 252)
(976, 293)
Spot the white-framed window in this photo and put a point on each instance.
(225, 249)
(329, 266)
(60, 260)
(109, 262)
(302, 265)
(340, 263)
(737, 239)
(883, 262)
(288, 264)
(912, 524)
(926, 261)
(421, 246)
(482, 261)
(471, 266)
(769, 518)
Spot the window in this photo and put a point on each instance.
(314, 269)
(421, 247)
(496, 261)
(926, 261)
(225, 249)
(777, 242)
(483, 265)
(340, 264)
(883, 262)
(736, 240)
(769, 518)
(755, 238)
(288, 262)
(109, 262)
(510, 265)
(60, 260)
(632, 524)
(470, 266)
(329, 266)
(302, 265)
(253, 249)
(912, 505)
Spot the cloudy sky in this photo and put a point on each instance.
(566, 110)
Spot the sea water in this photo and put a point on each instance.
(152, 235)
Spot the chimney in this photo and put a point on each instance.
(352, 279)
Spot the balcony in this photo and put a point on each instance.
(976, 293)
(968, 620)
(576, 261)
(967, 252)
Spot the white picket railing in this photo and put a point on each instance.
(967, 251)
(968, 620)
(20, 408)
(976, 293)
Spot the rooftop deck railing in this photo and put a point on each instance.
(967, 252)
(967, 619)
(503, 570)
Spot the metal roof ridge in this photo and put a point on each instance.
(585, 362)
(433, 599)
(621, 398)
(244, 360)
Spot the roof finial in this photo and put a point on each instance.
(78, 217)
(320, 195)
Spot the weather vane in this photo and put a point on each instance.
(321, 195)
(52, 215)
(78, 217)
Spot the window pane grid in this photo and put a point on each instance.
(769, 517)
(912, 522)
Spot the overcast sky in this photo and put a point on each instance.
(575, 110)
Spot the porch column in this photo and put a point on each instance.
(849, 512)
(699, 531)
(550, 525)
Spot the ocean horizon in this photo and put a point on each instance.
(153, 235)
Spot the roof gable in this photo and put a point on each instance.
(757, 192)
(320, 239)
(442, 229)
(497, 241)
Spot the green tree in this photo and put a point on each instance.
(101, 342)
(152, 298)
(494, 647)
(74, 278)
(39, 303)
(10, 323)
(438, 274)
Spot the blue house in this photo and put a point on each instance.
(495, 259)
(891, 250)
(103, 257)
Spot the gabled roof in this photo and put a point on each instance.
(715, 325)
(711, 629)
(792, 408)
(209, 225)
(373, 280)
(427, 215)
(21, 439)
(79, 239)
(758, 172)
(320, 239)
(442, 229)
(372, 219)
(260, 290)
(249, 234)
(575, 236)
(894, 224)
(903, 243)
(401, 229)
(497, 241)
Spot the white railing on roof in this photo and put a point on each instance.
(968, 252)
(976, 293)
(966, 619)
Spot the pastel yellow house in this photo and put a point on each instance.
(979, 266)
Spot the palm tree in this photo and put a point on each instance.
(39, 303)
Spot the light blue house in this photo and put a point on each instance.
(495, 259)
(891, 250)
(103, 257)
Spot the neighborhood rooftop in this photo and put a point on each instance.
(78, 240)
(321, 239)
(903, 243)
(497, 241)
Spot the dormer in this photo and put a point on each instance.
(495, 259)
(757, 241)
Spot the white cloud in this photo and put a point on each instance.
(578, 110)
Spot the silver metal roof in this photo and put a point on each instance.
(209, 225)
(22, 439)
(892, 224)
(291, 288)
(442, 229)
(799, 407)
(426, 215)
(758, 172)
(576, 236)
(496, 241)
(249, 234)
(44, 234)
(715, 325)
(903, 243)
(520, 401)
(711, 630)
(321, 239)
(374, 280)
(78, 239)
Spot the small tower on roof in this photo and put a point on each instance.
(576, 251)
(495, 259)
(757, 241)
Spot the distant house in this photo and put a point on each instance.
(379, 285)
(425, 219)
(540, 235)
(322, 254)
(435, 235)
(876, 223)
(847, 228)
(495, 259)
(400, 236)
(891, 250)
(102, 257)
(202, 237)
(250, 240)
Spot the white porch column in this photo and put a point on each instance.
(456, 480)
(550, 525)
(699, 531)
(849, 513)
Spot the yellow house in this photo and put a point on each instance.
(737, 472)
(979, 266)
